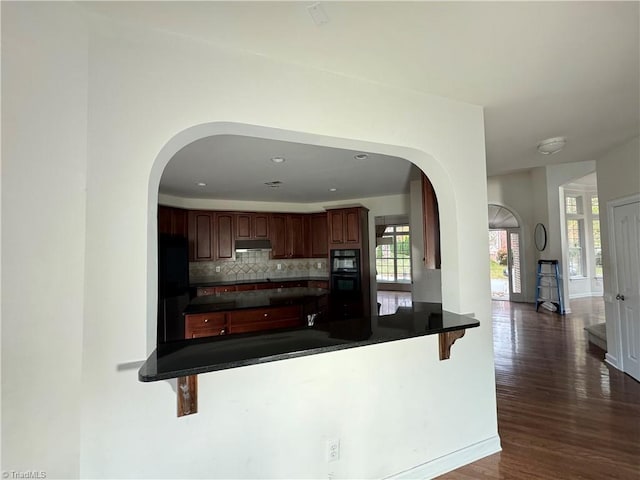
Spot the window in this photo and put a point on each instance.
(575, 239)
(595, 225)
(393, 255)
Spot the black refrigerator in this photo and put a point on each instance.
(173, 286)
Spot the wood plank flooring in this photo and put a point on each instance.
(562, 412)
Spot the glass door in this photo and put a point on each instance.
(506, 264)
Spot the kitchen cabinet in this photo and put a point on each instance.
(430, 224)
(318, 284)
(287, 234)
(346, 227)
(257, 319)
(205, 325)
(211, 235)
(172, 221)
(224, 236)
(251, 226)
(201, 235)
(318, 236)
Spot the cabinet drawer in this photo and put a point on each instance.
(245, 287)
(225, 289)
(203, 291)
(204, 320)
(204, 325)
(318, 284)
(263, 315)
(261, 326)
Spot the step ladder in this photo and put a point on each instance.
(548, 285)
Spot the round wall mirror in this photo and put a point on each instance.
(540, 237)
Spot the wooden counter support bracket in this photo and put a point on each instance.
(187, 395)
(446, 340)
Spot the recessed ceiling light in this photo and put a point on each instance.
(201, 184)
(333, 189)
(277, 160)
(551, 145)
(361, 156)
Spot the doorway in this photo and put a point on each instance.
(625, 249)
(505, 256)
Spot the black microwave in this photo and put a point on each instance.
(345, 261)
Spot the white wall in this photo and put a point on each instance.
(44, 122)
(618, 177)
(144, 90)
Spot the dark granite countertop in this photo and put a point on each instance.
(222, 283)
(253, 299)
(193, 357)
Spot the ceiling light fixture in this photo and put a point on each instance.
(274, 184)
(361, 156)
(333, 189)
(277, 160)
(551, 145)
(201, 184)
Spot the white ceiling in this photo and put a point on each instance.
(307, 173)
(540, 69)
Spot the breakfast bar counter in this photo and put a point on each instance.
(192, 357)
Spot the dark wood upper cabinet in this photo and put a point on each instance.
(224, 236)
(243, 226)
(431, 224)
(261, 226)
(252, 226)
(277, 234)
(172, 221)
(287, 234)
(201, 235)
(345, 227)
(295, 236)
(318, 235)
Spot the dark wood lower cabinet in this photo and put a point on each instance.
(252, 319)
(255, 320)
(205, 325)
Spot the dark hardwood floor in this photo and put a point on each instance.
(562, 412)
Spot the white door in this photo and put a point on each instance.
(626, 220)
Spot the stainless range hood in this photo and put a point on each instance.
(253, 246)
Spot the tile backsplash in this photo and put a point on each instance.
(257, 266)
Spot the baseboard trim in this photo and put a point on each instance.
(451, 461)
(613, 361)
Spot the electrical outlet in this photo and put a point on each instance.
(333, 450)
(217, 269)
(279, 266)
(319, 265)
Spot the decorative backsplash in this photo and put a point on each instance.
(257, 266)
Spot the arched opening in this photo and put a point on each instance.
(205, 155)
(505, 254)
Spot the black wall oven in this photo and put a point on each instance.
(345, 271)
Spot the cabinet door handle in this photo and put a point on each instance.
(266, 314)
(206, 320)
(222, 332)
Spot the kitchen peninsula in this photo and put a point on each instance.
(188, 358)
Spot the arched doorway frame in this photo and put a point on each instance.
(520, 231)
(440, 179)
